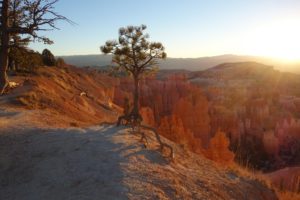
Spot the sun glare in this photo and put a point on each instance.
(279, 39)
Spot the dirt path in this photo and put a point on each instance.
(62, 164)
(105, 162)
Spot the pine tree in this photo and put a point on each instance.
(60, 62)
(136, 55)
(24, 17)
(48, 58)
(17, 52)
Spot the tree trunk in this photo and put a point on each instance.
(4, 46)
(11, 64)
(135, 110)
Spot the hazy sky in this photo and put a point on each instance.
(187, 28)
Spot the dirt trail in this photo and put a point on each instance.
(62, 164)
(105, 162)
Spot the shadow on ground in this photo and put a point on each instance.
(61, 164)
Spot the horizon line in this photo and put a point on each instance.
(208, 56)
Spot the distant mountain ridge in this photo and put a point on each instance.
(237, 70)
(191, 64)
(241, 74)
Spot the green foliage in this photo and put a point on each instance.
(20, 58)
(133, 52)
(48, 58)
(24, 60)
(27, 18)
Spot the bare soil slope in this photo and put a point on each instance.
(287, 178)
(80, 95)
(43, 157)
(105, 162)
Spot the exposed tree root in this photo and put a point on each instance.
(3, 87)
(144, 138)
(137, 126)
(134, 121)
(123, 120)
(161, 143)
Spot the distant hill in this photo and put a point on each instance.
(192, 64)
(237, 70)
(241, 74)
(88, 60)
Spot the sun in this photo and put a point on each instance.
(279, 39)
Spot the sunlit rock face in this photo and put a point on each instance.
(218, 149)
(148, 116)
(240, 101)
(172, 128)
(286, 178)
(193, 111)
(271, 143)
(179, 98)
(222, 118)
(173, 100)
(288, 127)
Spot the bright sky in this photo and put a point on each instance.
(187, 28)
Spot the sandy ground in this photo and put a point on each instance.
(104, 162)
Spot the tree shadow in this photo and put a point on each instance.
(61, 164)
(153, 156)
(151, 152)
(4, 113)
